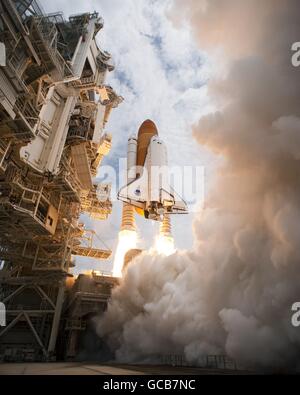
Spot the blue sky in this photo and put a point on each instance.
(162, 75)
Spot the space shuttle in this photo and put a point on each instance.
(148, 188)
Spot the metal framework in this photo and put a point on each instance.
(54, 106)
(87, 297)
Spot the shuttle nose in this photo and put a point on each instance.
(148, 127)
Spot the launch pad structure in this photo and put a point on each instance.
(54, 106)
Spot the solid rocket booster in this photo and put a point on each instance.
(148, 189)
(132, 147)
(128, 221)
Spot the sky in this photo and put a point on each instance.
(162, 74)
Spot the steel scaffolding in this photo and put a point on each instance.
(52, 141)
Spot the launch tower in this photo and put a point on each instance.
(54, 105)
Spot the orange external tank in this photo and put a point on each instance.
(146, 131)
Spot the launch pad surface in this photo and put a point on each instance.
(92, 368)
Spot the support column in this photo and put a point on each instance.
(56, 318)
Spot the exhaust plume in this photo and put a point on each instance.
(164, 242)
(232, 294)
(127, 241)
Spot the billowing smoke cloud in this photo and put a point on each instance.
(232, 294)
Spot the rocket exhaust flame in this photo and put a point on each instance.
(127, 241)
(164, 243)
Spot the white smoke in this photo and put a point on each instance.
(232, 294)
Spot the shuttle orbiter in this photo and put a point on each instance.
(149, 190)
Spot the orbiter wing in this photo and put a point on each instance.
(172, 199)
(135, 193)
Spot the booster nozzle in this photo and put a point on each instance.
(165, 228)
(128, 220)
